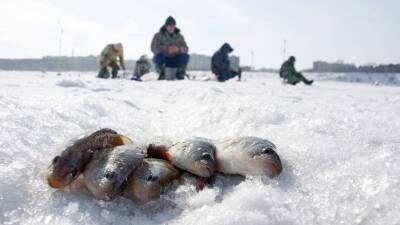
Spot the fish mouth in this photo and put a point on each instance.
(205, 169)
(271, 165)
(144, 192)
(57, 182)
(100, 191)
(273, 168)
(105, 191)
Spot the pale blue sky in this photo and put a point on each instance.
(359, 31)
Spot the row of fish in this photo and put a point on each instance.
(111, 164)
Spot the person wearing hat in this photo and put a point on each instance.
(170, 50)
(220, 64)
(290, 75)
(111, 56)
(142, 67)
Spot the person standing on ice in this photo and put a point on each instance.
(170, 51)
(220, 64)
(290, 75)
(142, 67)
(111, 56)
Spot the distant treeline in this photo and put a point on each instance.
(50, 63)
(321, 66)
(91, 63)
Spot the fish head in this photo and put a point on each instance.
(144, 185)
(65, 168)
(198, 157)
(95, 180)
(107, 185)
(109, 172)
(264, 157)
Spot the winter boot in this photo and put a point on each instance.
(161, 71)
(104, 73)
(181, 72)
(114, 73)
(309, 82)
(305, 81)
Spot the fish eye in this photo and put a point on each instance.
(55, 160)
(268, 151)
(152, 178)
(206, 157)
(109, 174)
(74, 172)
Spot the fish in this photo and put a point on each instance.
(108, 171)
(67, 166)
(198, 183)
(248, 156)
(148, 181)
(196, 155)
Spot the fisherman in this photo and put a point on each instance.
(290, 75)
(170, 51)
(142, 67)
(111, 56)
(220, 64)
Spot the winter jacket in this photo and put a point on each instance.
(111, 54)
(142, 67)
(287, 69)
(162, 40)
(220, 60)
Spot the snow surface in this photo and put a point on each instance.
(392, 79)
(339, 143)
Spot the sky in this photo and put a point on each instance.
(354, 31)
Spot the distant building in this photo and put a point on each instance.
(268, 70)
(321, 66)
(340, 67)
(91, 63)
(50, 63)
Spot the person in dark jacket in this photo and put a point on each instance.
(220, 64)
(170, 50)
(290, 75)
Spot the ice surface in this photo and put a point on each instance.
(339, 142)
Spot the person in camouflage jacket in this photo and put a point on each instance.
(170, 49)
(290, 75)
(111, 56)
(142, 67)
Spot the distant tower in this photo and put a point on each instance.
(252, 59)
(60, 62)
(284, 49)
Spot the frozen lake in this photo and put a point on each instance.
(339, 142)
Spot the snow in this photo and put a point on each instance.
(71, 83)
(339, 143)
(392, 79)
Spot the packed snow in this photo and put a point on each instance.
(339, 143)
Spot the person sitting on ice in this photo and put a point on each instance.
(142, 67)
(290, 75)
(170, 52)
(111, 56)
(220, 64)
